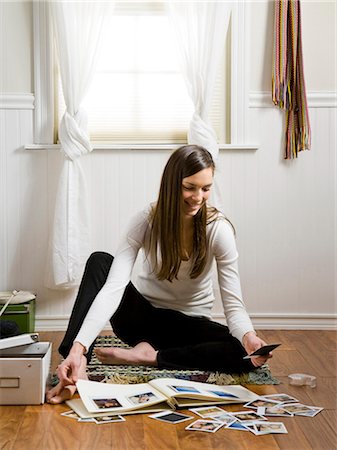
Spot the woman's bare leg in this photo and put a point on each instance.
(142, 354)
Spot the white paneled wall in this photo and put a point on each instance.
(283, 211)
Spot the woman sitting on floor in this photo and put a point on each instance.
(166, 316)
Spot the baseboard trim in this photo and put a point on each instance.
(55, 323)
(260, 321)
(290, 321)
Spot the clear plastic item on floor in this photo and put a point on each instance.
(302, 379)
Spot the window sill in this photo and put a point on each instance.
(150, 147)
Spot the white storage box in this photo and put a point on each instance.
(24, 373)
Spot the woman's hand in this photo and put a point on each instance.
(252, 342)
(68, 370)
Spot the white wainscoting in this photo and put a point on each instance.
(284, 213)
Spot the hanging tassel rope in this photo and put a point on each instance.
(288, 85)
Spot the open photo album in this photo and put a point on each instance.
(97, 399)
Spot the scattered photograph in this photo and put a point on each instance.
(142, 398)
(281, 398)
(209, 426)
(87, 419)
(313, 411)
(247, 416)
(71, 414)
(108, 419)
(185, 389)
(238, 426)
(103, 403)
(260, 402)
(223, 394)
(269, 428)
(208, 411)
(296, 408)
(171, 417)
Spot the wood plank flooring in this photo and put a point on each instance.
(314, 352)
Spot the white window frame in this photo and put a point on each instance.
(44, 83)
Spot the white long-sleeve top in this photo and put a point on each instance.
(193, 297)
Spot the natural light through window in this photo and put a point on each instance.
(138, 93)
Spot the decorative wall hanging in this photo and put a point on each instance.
(288, 85)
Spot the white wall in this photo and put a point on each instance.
(16, 49)
(319, 44)
(284, 211)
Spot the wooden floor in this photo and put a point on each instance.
(312, 352)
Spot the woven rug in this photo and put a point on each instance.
(142, 374)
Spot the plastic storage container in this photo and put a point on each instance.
(20, 309)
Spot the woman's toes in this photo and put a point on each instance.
(59, 397)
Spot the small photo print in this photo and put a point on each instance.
(171, 417)
(209, 426)
(185, 389)
(223, 394)
(71, 414)
(108, 419)
(142, 398)
(313, 411)
(104, 403)
(208, 411)
(280, 398)
(296, 408)
(269, 428)
(247, 416)
(260, 402)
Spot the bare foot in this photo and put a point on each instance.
(143, 354)
(61, 393)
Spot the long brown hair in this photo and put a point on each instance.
(166, 235)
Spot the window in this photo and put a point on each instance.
(141, 76)
(138, 93)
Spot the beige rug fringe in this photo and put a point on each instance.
(126, 379)
(225, 379)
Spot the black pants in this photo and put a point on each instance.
(183, 342)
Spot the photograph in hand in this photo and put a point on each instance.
(262, 351)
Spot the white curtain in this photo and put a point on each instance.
(200, 29)
(77, 28)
